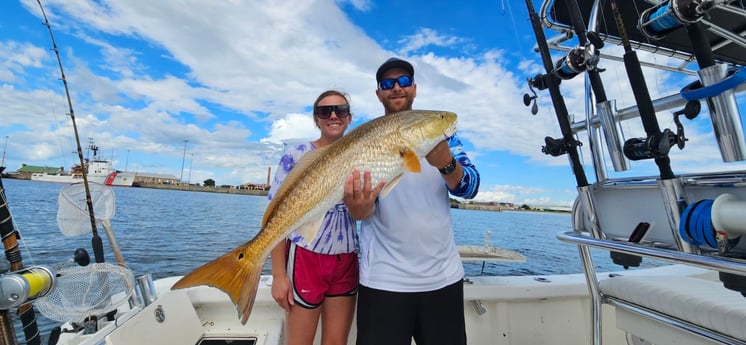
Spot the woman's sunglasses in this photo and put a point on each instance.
(325, 111)
(388, 84)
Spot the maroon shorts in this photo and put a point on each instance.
(315, 276)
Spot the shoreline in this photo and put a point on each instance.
(258, 192)
(197, 188)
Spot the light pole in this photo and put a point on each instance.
(183, 158)
(127, 161)
(4, 148)
(191, 160)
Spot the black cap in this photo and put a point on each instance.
(394, 63)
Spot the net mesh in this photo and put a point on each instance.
(79, 292)
(72, 212)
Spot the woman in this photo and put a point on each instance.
(318, 277)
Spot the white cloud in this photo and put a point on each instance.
(241, 76)
(426, 37)
(292, 126)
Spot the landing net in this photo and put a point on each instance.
(72, 212)
(80, 292)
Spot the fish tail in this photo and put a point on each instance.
(233, 273)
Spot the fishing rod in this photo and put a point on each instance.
(567, 144)
(96, 242)
(591, 43)
(13, 255)
(657, 144)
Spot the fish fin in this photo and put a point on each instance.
(411, 161)
(389, 186)
(233, 273)
(311, 229)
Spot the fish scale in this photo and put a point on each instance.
(387, 147)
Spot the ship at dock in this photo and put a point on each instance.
(99, 170)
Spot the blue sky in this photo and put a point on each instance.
(236, 79)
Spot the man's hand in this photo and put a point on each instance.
(359, 197)
(440, 156)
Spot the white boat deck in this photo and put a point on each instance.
(550, 309)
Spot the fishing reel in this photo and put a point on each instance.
(558, 147)
(33, 282)
(659, 145)
(662, 19)
(578, 60)
(24, 285)
(531, 99)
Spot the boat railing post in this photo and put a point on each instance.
(586, 206)
(594, 292)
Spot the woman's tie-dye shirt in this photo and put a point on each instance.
(338, 232)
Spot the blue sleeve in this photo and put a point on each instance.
(469, 185)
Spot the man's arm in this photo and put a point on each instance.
(463, 180)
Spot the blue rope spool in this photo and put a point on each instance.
(695, 224)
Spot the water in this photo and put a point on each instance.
(167, 232)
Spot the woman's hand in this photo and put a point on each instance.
(282, 292)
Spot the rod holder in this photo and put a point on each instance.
(609, 125)
(674, 199)
(145, 289)
(726, 119)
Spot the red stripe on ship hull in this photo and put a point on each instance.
(110, 179)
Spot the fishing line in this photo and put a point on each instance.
(96, 242)
(601, 22)
(53, 116)
(515, 27)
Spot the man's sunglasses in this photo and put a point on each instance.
(325, 111)
(388, 84)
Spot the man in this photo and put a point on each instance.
(411, 275)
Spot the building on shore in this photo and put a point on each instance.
(258, 186)
(147, 178)
(25, 171)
